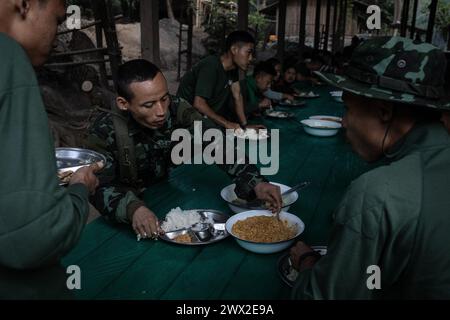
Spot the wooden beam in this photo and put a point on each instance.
(335, 16)
(189, 39)
(281, 27)
(317, 24)
(327, 25)
(150, 31)
(405, 17)
(302, 29)
(430, 29)
(243, 15)
(414, 17)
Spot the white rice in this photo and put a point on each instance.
(179, 219)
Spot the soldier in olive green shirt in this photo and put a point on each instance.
(207, 86)
(39, 220)
(390, 237)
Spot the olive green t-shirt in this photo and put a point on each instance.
(209, 80)
(39, 220)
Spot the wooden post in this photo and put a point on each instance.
(344, 24)
(302, 29)
(430, 29)
(327, 25)
(335, 11)
(190, 34)
(99, 41)
(108, 23)
(150, 31)
(317, 24)
(243, 15)
(281, 27)
(405, 17)
(180, 41)
(414, 17)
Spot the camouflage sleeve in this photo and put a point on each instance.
(112, 199)
(245, 175)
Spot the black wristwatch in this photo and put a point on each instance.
(244, 126)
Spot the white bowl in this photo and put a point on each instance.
(321, 128)
(229, 196)
(265, 248)
(327, 118)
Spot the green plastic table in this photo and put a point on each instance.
(115, 266)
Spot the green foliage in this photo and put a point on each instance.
(257, 21)
(221, 20)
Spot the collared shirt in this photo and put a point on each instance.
(395, 217)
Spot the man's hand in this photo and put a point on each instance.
(145, 223)
(232, 125)
(86, 175)
(296, 251)
(270, 194)
(256, 126)
(265, 104)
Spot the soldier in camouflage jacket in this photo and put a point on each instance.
(151, 115)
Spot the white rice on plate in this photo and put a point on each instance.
(178, 219)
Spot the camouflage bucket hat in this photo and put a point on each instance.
(395, 69)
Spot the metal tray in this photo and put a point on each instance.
(218, 231)
(287, 273)
(72, 159)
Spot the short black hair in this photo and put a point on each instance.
(238, 36)
(264, 68)
(273, 62)
(137, 70)
(289, 66)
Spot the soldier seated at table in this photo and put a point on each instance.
(288, 79)
(305, 71)
(248, 94)
(275, 95)
(136, 139)
(207, 87)
(390, 237)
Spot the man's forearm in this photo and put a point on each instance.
(115, 202)
(202, 106)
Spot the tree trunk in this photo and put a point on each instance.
(170, 10)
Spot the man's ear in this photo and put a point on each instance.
(385, 111)
(122, 103)
(234, 49)
(22, 7)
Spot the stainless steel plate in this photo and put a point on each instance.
(287, 273)
(217, 230)
(72, 159)
(279, 114)
(306, 95)
(297, 103)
